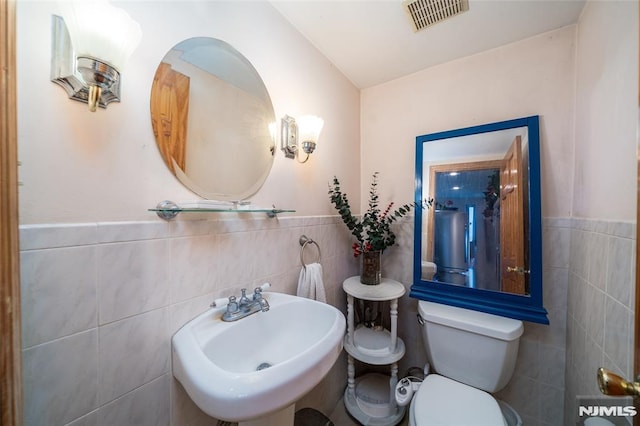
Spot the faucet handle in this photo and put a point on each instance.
(257, 293)
(219, 303)
(232, 305)
(265, 286)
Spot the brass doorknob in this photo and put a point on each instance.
(518, 269)
(614, 385)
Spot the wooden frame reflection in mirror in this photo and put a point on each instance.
(473, 195)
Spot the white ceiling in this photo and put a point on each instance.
(372, 41)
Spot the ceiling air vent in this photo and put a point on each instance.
(424, 13)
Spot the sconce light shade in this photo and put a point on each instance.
(304, 132)
(101, 38)
(309, 128)
(99, 30)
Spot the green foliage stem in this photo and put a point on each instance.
(373, 231)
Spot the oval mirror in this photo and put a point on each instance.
(480, 246)
(211, 116)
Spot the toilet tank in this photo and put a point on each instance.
(472, 347)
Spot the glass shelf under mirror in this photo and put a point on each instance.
(167, 210)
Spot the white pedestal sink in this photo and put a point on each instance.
(253, 370)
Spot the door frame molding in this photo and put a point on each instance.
(10, 322)
(636, 316)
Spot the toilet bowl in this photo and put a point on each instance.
(473, 355)
(597, 421)
(442, 401)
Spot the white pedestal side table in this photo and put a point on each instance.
(370, 398)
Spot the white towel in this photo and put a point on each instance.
(310, 283)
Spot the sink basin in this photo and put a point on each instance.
(258, 365)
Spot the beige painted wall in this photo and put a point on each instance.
(538, 76)
(606, 111)
(532, 77)
(80, 167)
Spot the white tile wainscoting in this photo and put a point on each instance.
(101, 301)
(600, 310)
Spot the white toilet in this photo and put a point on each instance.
(473, 354)
(429, 270)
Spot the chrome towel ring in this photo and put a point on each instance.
(304, 241)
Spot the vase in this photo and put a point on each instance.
(371, 268)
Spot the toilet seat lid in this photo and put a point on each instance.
(441, 401)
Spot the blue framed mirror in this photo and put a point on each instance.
(480, 245)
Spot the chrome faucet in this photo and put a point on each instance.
(237, 309)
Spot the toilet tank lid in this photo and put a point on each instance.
(473, 321)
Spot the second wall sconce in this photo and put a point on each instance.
(90, 45)
(299, 136)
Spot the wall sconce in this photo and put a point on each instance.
(90, 45)
(301, 134)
